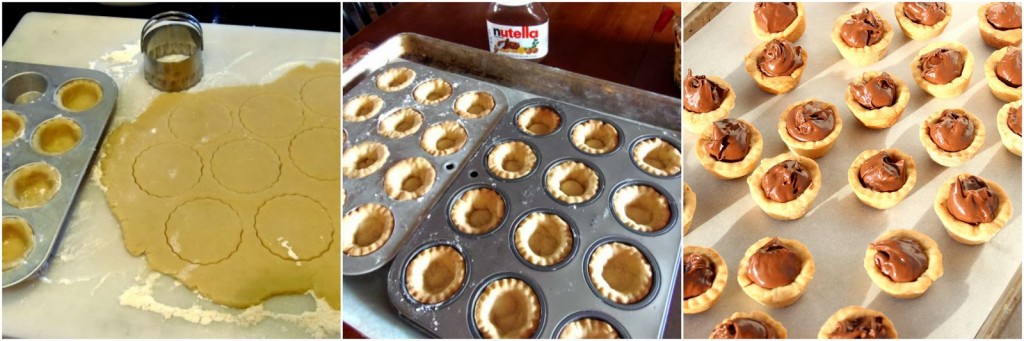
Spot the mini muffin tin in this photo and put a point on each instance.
(31, 90)
(370, 189)
(564, 290)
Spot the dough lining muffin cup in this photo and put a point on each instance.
(881, 200)
(917, 31)
(363, 159)
(906, 290)
(971, 234)
(366, 228)
(696, 122)
(435, 274)
(595, 137)
(620, 272)
(992, 36)
(1011, 140)
(657, 157)
(867, 55)
(792, 32)
(999, 89)
(852, 312)
(883, 117)
(395, 79)
(958, 85)
(952, 159)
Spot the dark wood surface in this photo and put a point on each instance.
(611, 41)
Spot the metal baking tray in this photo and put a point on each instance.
(48, 220)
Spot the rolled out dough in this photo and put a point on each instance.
(234, 191)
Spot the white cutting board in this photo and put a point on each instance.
(78, 296)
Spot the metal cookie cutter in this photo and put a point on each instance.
(172, 43)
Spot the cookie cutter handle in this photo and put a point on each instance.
(172, 45)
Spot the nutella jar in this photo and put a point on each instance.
(518, 29)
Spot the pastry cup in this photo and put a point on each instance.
(474, 104)
(884, 117)
(400, 123)
(908, 289)
(1011, 140)
(696, 122)
(507, 300)
(994, 37)
(365, 229)
(432, 91)
(478, 211)
(689, 207)
(395, 79)
(363, 159)
(641, 208)
(792, 32)
(595, 137)
(861, 56)
(435, 274)
(852, 312)
(511, 160)
(781, 296)
(572, 182)
(949, 90)
(780, 331)
(971, 234)
(793, 209)
(705, 301)
(773, 85)
(620, 273)
(588, 328)
(881, 200)
(952, 159)
(811, 149)
(362, 108)
(543, 239)
(539, 121)
(730, 170)
(917, 31)
(999, 89)
(657, 157)
(443, 138)
(409, 179)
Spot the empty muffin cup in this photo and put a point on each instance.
(56, 136)
(18, 241)
(366, 228)
(595, 137)
(400, 123)
(14, 126)
(572, 182)
(432, 91)
(363, 159)
(474, 104)
(443, 138)
(642, 208)
(25, 88)
(362, 108)
(657, 157)
(511, 160)
(409, 179)
(32, 185)
(478, 211)
(79, 95)
(395, 79)
(435, 274)
(539, 121)
(543, 239)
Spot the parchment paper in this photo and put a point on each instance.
(839, 227)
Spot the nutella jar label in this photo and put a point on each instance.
(520, 42)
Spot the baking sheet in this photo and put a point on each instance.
(839, 227)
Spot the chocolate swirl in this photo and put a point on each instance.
(901, 259)
(941, 66)
(812, 121)
(862, 29)
(953, 131)
(1008, 68)
(774, 265)
(877, 92)
(972, 201)
(925, 13)
(863, 327)
(785, 181)
(729, 142)
(699, 275)
(774, 17)
(883, 173)
(700, 94)
(780, 58)
(1004, 16)
(743, 328)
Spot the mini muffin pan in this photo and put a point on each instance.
(564, 289)
(63, 114)
(370, 189)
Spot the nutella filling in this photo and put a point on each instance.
(700, 94)
(925, 13)
(699, 275)
(729, 142)
(877, 92)
(864, 327)
(774, 17)
(901, 259)
(743, 328)
(883, 173)
(1008, 68)
(1013, 119)
(952, 131)
(785, 181)
(941, 66)
(862, 29)
(971, 201)
(810, 122)
(780, 58)
(774, 265)
(1004, 16)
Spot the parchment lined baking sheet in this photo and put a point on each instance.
(839, 227)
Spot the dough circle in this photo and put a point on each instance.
(657, 157)
(56, 136)
(444, 138)
(294, 227)
(474, 104)
(588, 328)
(318, 94)
(511, 160)
(18, 241)
(366, 229)
(543, 239)
(409, 179)
(572, 182)
(13, 126)
(478, 211)
(400, 123)
(364, 159)
(79, 95)
(642, 208)
(539, 121)
(271, 115)
(199, 120)
(507, 308)
(262, 165)
(435, 274)
(595, 137)
(166, 170)
(204, 231)
(620, 273)
(311, 159)
(32, 185)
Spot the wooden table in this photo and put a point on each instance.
(611, 41)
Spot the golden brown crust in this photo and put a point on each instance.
(543, 239)
(992, 36)
(862, 56)
(881, 200)
(409, 179)
(854, 312)
(364, 159)
(967, 233)
(435, 274)
(515, 306)
(511, 160)
(773, 85)
(780, 331)
(588, 328)
(781, 296)
(952, 159)
(955, 87)
(792, 32)
(707, 299)
(796, 208)
(443, 138)
(884, 117)
(730, 170)
(689, 207)
(641, 208)
(572, 182)
(365, 229)
(917, 31)
(620, 273)
(999, 89)
(696, 122)
(1011, 140)
(595, 137)
(814, 149)
(907, 289)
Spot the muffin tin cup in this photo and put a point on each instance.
(565, 288)
(370, 189)
(593, 314)
(48, 220)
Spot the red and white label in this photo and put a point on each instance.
(521, 42)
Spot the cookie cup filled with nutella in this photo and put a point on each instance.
(705, 99)
(776, 65)
(862, 37)
(1008, 122)
(785, 186)
(705, 277)
(778, 20)
(689, 207)
(943, 69)
(882, 178)
(810, 127)
(923, 20)
(729, 148)
(903, 263)
(752, 325)
(952, 136)
(1002, 71)
(775, 271)
(972, 209)
(856, 322)
(877, 99)
(999, 24)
